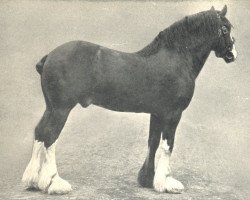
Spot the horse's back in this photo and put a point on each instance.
(72, 53)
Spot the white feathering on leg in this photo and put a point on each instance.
(163, 168)
(48, 169)
(173, 186)
(49, 180)
(163, 182)
(59, 186)
(31, 173)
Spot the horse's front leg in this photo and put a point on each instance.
(163, 180)
(146, 174)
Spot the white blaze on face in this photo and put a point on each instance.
(234, 52)
(31, 173)
(163, 168)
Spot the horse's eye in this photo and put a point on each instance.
(224, 29)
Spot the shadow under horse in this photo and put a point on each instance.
(159, 80)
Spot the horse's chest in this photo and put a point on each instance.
(177, 92)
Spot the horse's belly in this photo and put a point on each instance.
(121, 103)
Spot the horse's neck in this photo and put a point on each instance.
(199, 53)
(196, 48)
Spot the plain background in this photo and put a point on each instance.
(100, 151)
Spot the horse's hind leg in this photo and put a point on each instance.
(44, 176)
(49, 180)
(31, 173)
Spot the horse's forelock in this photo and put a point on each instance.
(228, 23)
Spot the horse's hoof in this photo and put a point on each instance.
(173, 186)
(59, 186)
(159, 183)
(30, 183)
(168, 184)
(30, 177)
(47, 173)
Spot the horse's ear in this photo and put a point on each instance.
(223, 12)
(212, 8)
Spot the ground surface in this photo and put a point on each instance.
(99, 151)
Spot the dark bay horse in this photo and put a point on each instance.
(159, 80)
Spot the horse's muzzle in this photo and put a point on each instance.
(230, 55)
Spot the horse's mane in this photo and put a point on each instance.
(178, 34)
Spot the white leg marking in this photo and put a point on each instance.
(173, 186)
(48, 169)
(162, 180)
(59, 186)
(49, 179)
(163, 169)
(30, 175)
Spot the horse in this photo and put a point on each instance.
(158, 80)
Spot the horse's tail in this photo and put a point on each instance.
(39, 65)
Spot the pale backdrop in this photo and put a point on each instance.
(99, 151)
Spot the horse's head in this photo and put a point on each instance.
(224, 46)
